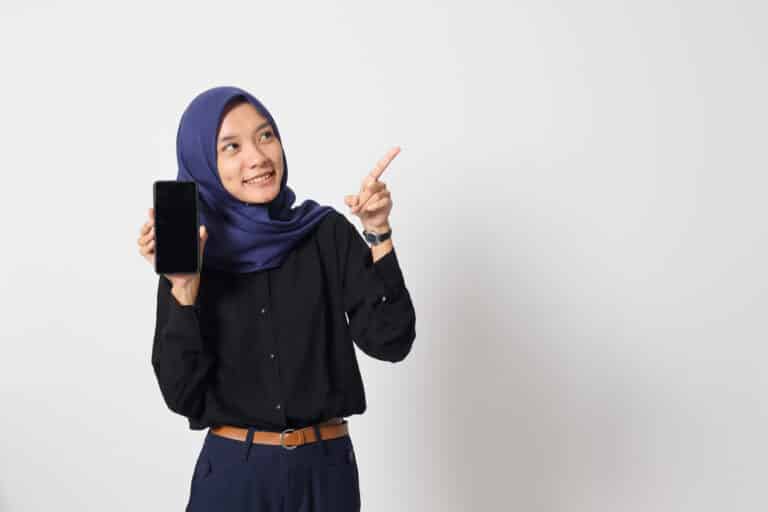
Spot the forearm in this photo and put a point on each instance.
(381, 250)
(180, 358)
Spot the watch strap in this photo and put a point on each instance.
(376, 238)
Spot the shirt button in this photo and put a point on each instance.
(263, 310)
(277, 406)
(383, 298)
(271, 356)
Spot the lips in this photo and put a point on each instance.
(259, 175)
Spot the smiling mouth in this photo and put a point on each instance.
(260, 178)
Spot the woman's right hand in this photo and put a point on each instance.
(184, 286)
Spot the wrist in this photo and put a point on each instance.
(381, 250)
(184, 295)
(381, 228)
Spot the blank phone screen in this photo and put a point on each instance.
(176, 227)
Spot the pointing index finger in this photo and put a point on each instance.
(384, 162)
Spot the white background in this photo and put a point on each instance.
(579, 211)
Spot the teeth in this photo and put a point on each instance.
(263, 178)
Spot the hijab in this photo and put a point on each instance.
(242, 237)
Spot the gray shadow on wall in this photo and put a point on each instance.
(514, 433)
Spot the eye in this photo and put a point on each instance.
(224, 148)
(268, 132)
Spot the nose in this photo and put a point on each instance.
(255, 157)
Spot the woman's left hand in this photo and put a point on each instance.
(374, 202)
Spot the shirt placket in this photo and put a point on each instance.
(268, 329)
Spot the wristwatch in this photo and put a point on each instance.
(376, 238)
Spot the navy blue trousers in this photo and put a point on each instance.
(235, 476)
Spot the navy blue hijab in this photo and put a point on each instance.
(242, 237)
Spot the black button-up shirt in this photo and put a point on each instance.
(274, 348)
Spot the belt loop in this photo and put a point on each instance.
(320, 438)
(248, 442)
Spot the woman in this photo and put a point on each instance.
(258, 346)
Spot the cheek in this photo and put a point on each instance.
(277, 155)
(228, 171)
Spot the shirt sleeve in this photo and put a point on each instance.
(181, 362)
(382, 319)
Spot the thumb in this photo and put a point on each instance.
(203, 238)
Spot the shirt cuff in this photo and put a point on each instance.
(183, 323)
(388, 269)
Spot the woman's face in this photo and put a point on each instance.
(247, 147)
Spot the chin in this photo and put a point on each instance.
(264, 197)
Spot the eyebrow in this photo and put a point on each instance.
(230, 137)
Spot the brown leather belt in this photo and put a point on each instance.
(288, 438)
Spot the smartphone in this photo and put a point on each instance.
(177, 227)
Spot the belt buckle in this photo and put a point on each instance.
(282, 439)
